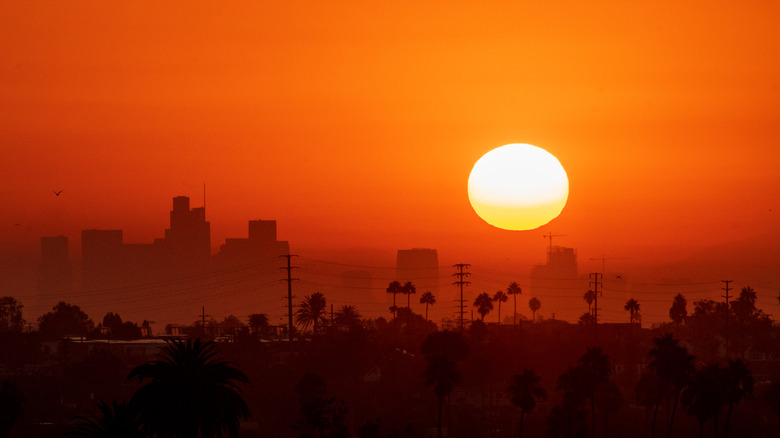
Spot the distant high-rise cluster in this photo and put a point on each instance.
(177, 266)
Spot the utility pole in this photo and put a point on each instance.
(461, 274)
(595, 282)
(727, 288)
(203, 319)
(289, 281)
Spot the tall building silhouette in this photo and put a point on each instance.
(55, 271)
(558, 285)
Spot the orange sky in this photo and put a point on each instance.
(356, 125)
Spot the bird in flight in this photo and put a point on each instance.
(58, 193)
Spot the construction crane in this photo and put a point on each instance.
(550, 236)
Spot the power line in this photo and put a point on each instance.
(461, 275)
(289, 281)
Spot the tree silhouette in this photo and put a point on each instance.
(674, 366)
(534, 304)
(632, 307)
(408, 289)
(64, 320)
(596, 369)
(347, 316)
(484, 304)
(191, 392)
(500, 297)
(703, 395)
(587, 318)
(738, 383)
(678, 311)
(427, 298)
(11, 315)
(118, 420)
(311, 311)
(589, 297)
(443, 350)
(514, 290)
(323, 416)
(258, 322)
(525, 391)
(11, 410)
(394, 288)
(744, 308)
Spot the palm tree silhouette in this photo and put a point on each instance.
(703, 395)
(347, 316)
(500, 297)
(484, 304)
(514, 290)
(525, 391)
(427, 298)
(394, 288)
(595, 368)
(191, 392)
(632, 306)
(674, 366)
(534, 304)
(738, 383)
(443, 350)
(408, 289)
(118, 420)
(311, 311)
(588, 297)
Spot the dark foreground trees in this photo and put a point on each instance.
(443, 350)
(117, 420)
(525, 391)
(190, 392)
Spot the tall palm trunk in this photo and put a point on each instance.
(426, 311)
(674, 409)
(522, 416)
(657, 405)
(514, 315)
(438, 429)
(728, 420)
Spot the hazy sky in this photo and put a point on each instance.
(356, 124)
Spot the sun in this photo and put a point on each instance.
(518, 187)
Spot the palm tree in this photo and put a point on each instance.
(441, 374)
(595, 368)
(534, 304)
(191, 392)
(589, 297)
(674, 366)
(484, 304)
(115, 421)
(347, 316)
(738, 384)
(632, 306)
(311, 311)
(443, 349)
(525, 391)
(394, 288)
(408, 289)
(427, 298)
(500, 297)
(514, 290)
(703, 395)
